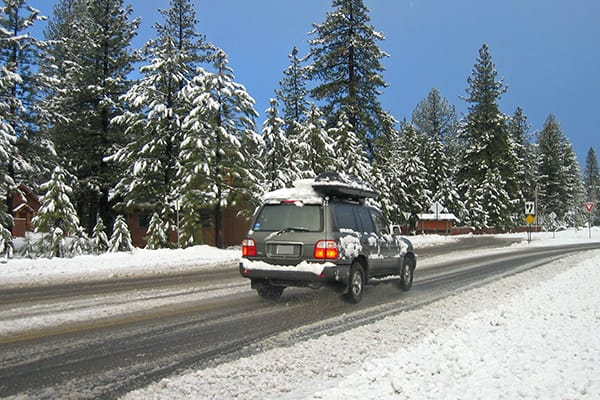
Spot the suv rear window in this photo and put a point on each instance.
(275, 217)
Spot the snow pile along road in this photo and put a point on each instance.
(521, 339)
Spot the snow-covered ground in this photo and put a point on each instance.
(533, 335)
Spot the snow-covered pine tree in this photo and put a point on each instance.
(411, 171)
(277, 172)
(56, 217)
(293, 97)
(388, 180)
(487, 143)
(522, 186)
(153, 121)
(8, 152)
(218, 151)
(591, 183)
(316, 146)
(157, 234)
(559, 181)
(89, 62)
(573, 188)
(351, 156)
(345, 63)
(80, 243)
(121, 238)
(99, 237)
(435, 121)
(20, 90)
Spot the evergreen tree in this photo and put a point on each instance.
(392, 189)
(560, 188)
(277, 172)
(317, 148)
(153, 122)
(18, 93)
(292, 95)
(57, 216)
(345, 61)
(591, 182)
(157, 237)
(411, 171)
(218, 151)
(524, 185)
(351, 157)
(121, 238)
(80, 243)
(435, 121)
(487, 148)
(99, 237)
(89, 60)
(573, 187)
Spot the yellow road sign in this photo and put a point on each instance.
(530, 218)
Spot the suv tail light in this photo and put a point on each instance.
(248, 248)
(326, 250)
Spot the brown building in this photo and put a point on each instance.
(442, 223)
(25, 204)
(235, 227)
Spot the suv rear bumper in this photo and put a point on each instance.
(287, 276)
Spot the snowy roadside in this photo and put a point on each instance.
(532, 335)
(33, 272)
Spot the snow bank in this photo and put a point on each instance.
(20, 272)
(542, 344)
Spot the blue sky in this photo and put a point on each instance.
(546, 50)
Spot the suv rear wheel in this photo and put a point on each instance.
(406, 274)
(356, 284)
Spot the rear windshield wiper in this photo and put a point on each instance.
(291, 229)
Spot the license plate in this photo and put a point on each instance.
(285, 249)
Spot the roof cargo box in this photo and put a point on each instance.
(341, 185)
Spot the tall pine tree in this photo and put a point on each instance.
(345, 63)
(487, 148)
(278, 172)
(435, 120)
(89, 60)
(21, 147)
(591, 182)
(218, 152)
(153, 121)
(560, 187)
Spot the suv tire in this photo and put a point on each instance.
(406, 274)
(356, 283)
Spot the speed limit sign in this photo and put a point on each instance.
(529, 208)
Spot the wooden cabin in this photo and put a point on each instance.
(25, 204)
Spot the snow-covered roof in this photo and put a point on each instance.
(440, 217)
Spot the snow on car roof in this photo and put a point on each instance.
(302, 190)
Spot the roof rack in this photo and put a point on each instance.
(345, 186)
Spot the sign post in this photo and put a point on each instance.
(529, 218)
(589, 206)
(437, 208)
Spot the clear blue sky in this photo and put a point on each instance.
(548, 51)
